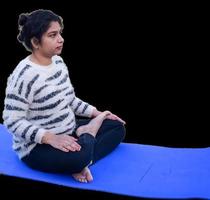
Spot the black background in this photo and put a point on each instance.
(144, 62)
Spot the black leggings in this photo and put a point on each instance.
(47, 158)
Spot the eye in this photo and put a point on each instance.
(52, 35)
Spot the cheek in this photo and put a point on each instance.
(48, 43)
(49, 48)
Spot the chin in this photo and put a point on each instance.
(58, 52)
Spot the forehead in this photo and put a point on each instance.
(54, 26)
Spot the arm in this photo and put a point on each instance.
(81, 108)
(17, 100)
(15, 119)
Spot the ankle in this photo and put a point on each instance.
(80, 131)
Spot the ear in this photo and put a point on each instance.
(35, 43)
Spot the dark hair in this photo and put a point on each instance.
(35, 24)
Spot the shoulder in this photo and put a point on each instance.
(57, 59)
(22, 72)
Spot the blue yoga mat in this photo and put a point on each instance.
(132, 169)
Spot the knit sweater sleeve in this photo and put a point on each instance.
(19, 95)
(81, 108)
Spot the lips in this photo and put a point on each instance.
(59, 48)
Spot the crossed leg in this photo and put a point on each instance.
(92, 128)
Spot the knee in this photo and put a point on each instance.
(118, 124)
(113, 123)
(119, 129)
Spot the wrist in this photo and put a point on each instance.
(46, 138)
(95, 112)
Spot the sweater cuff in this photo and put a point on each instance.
(89, 110)
(39, 135)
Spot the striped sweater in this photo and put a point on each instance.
(39, 99)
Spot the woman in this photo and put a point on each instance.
(40, 106)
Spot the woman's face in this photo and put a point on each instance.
(51, 42)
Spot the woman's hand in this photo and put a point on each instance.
(115, 117)
(110, 116)
(96, 113)
(65, 143)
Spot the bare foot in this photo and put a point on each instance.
(84, 176)
(93, 126)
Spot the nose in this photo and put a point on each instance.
(60, 39)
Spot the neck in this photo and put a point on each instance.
(39, 59)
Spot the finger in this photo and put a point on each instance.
(64, 149)
(76, 146)
(111, 117)
(118, 118)
(115, 117)
(71, 148)
(75, 139)
(121, 121)
(108, 113)
(70, 138)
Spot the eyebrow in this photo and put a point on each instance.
(51, 32)
(55, 31)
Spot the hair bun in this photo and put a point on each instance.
(22, 19)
